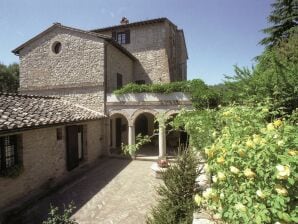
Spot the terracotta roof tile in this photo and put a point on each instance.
(29, 111)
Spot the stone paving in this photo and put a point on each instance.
(115, 191)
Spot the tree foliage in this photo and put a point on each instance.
(275, 76)
(284, 17)
(9, 77)
(176, 204)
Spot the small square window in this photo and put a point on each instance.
(59, 133)
(121, 37)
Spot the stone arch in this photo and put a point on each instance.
(120, 112)
(118, 130)
(169, 113)
(141, 111)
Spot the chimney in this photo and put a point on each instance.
(124, 21)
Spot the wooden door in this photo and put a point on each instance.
(72, 147)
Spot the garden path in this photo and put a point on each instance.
(114, 191)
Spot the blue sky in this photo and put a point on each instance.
(219, 33)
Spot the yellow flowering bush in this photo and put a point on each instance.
(252, 162)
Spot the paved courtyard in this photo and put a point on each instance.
(115, 191)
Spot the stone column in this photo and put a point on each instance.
(162, 141)
(131, 135)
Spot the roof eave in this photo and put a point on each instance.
(107, 38)
(121, 48)
(145, 22)
(15, 130)
(17, 50)
(184, 42)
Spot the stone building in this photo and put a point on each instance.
(66, 71)
(41, 139)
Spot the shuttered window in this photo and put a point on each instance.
(8, 152)
(119, 81)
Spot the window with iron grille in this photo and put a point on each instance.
(8, 152)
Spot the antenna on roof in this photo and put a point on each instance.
(124, 21)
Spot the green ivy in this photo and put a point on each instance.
(202, 95)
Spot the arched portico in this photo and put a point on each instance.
(142, 120)
(118, 133)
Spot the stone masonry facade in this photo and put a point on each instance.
(160, 50)
(44, 160)
(76, 73)
(86, 68)
(117, 62)
(83, 68)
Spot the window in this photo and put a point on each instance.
(119, 81)
(56, 47)
(140, 82)
(121, 37)
(8, 152)
(59, 133)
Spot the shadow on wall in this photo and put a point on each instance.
(80, 191)
(141, 74)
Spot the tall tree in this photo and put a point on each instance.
(9, 77)
(284, 17)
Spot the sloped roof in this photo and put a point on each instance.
(139, 23)
(55, 25)
(28, 111)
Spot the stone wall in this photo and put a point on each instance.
(44, 161)
(91, 97)
(80, 64)
(160, 50)
(147, 44)
(177, 53)
(117, 62)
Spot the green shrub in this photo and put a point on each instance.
(176, 204)
(65, 218)
(253, 163)
(132, 149)
(199, 124)
(202, 96)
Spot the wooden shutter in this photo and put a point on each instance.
(127, 36)
(119, 81)
(72, 147)
(2, 154)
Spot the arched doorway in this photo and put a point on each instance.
(141, 125)
(118, 133)
(175, 138)
(145, 125)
